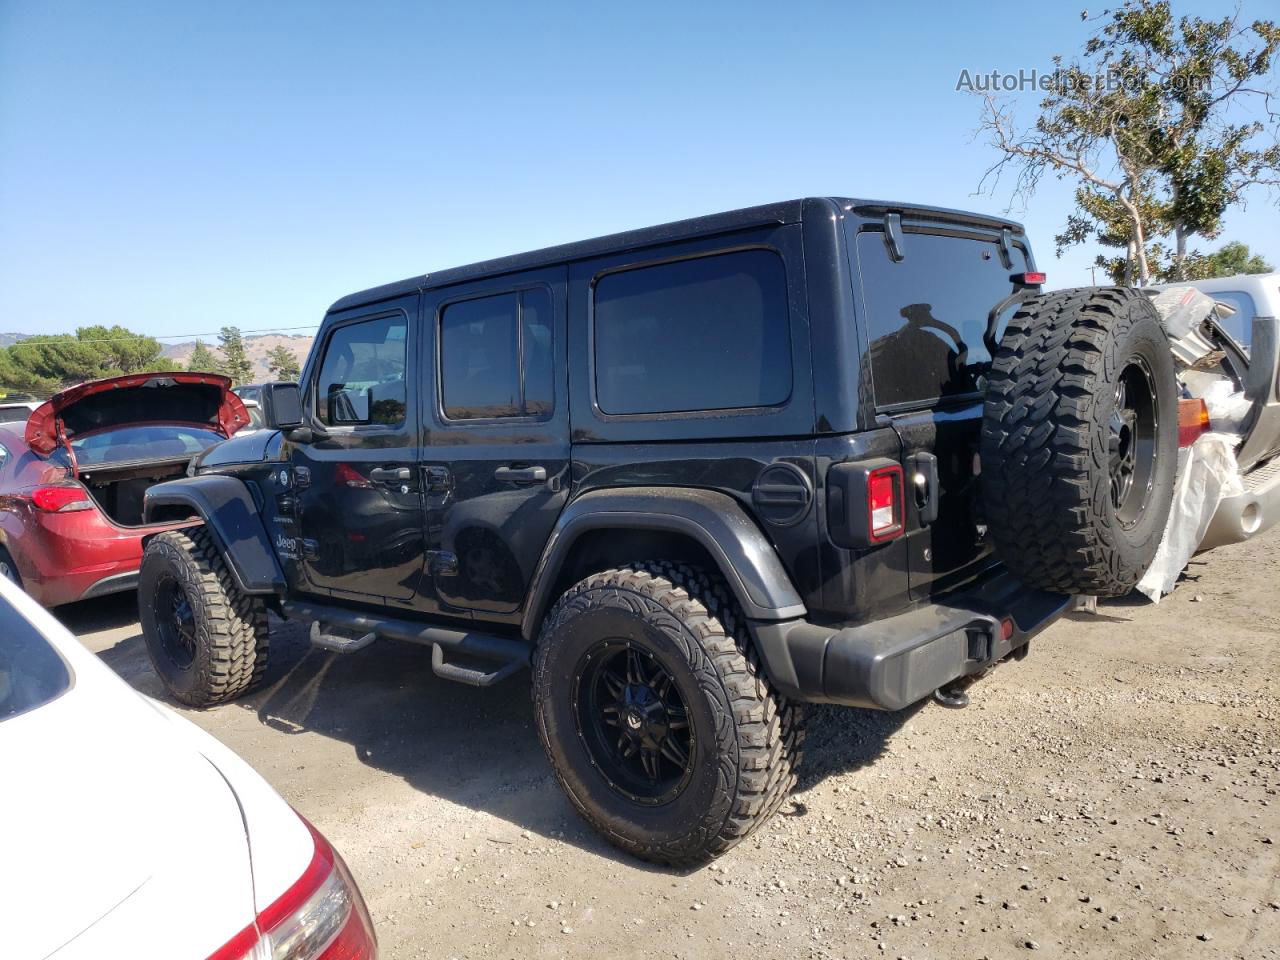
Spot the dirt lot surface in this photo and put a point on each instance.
(1116, 794)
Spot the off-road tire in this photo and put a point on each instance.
(1046, 476)
(747, 738)
(231, 631)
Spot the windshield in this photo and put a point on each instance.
(152, 441)
(31, 672)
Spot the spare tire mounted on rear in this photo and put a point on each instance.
(1079, 440)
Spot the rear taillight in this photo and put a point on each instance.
(1029, 279)
(1193, 420)
(321, 917)
(62, 498)
(884, 504)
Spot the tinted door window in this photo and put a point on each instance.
(362, 377)
(704, 334)
(926, 314)
(496, 357)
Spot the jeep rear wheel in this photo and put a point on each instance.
(1079, 441)
(207, 640)
(655, 714)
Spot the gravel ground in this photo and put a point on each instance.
(1115, 794)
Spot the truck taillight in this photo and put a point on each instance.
(321, 917)
(884, 504)
(61, 498)
(1193, 420)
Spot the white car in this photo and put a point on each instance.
(17, 411)
(126, 831)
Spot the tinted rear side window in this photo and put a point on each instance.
(710, 333)
(926, 314)
(496, 357)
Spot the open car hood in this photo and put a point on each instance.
(199, 399)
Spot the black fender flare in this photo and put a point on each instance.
(746, 558)
(231, 515)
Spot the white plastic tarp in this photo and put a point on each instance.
(1228, 408)
(1207, 473)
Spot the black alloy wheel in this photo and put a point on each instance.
(659, 722)
(633, 722)
(175, 623)
(1131, 444)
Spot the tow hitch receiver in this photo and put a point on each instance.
(952, 696)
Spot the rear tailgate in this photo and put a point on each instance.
(924, 307)
(940, 452)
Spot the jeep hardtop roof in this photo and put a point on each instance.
(787, 211)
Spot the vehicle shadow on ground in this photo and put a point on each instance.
(105, 613)
(476, 748)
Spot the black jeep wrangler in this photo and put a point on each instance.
(824, 450)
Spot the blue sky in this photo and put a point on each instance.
(175, 167)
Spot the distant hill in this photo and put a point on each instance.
(255, 345)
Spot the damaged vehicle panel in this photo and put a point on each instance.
(1233, 391)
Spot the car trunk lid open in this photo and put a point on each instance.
(117, 480)
(203, 400)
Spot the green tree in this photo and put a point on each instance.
(235, 362)
(203, 360)
(282, 363)
(43, 365)
(1163, 146)
(1231, 260)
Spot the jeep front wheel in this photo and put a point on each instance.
(655, 714)
(206, 639)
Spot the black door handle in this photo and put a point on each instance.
(521, 474)
(397, 474)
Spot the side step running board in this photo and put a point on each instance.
(336, 643)
(471, 676)
(510, 654)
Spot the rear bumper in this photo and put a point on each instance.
(77, 556)
(891, 663)
(1245, 515)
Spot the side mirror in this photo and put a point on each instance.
(281, 405)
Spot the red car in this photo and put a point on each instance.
(72, 477)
